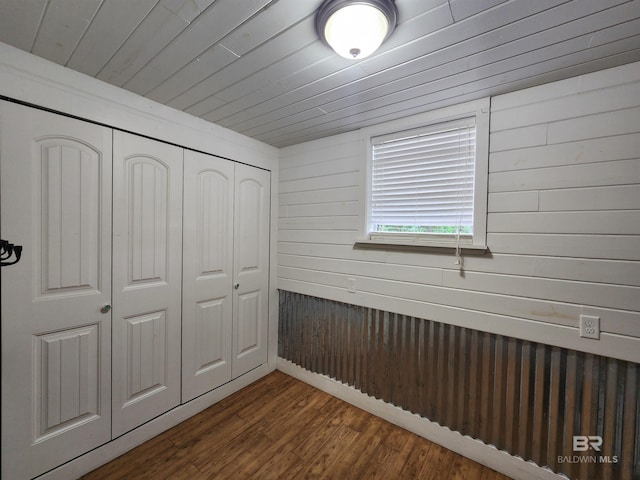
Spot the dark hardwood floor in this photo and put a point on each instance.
(280, 428)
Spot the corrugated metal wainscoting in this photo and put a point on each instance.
(526, 398)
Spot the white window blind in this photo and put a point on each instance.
(422, 180)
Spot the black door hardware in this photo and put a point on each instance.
(7, 250)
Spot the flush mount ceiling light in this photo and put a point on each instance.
(355, 29)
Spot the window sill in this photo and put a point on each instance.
(478, 250)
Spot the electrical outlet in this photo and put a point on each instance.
(590, 327)
(351, 285)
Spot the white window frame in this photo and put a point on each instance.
(478, 240)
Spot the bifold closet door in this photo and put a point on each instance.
(147, 273)
(207, 273)
(56, 332)
(250, 268)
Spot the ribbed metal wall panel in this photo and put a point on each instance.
(526, 398)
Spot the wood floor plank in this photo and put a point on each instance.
(438, 463)
(324, 459)
(267, 406)
(265, 388)
(403, 454)
(488, 474)
(127, 466)
(464, 470)
(312, 437)
(300, 409)
(397, 439)
(415, 459)
(238, 458)
(380, 464)
(217, 441)
(351, 416)
(280, 466)
(280, 428)
(351, 460)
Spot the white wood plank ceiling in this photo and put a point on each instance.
(258, 67)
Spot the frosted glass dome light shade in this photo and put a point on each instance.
(355, 29)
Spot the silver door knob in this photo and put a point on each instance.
(236, 286)
(105, 309)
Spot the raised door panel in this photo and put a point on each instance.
(251, 268)
(248, 322)
(207, 273)
(68, 206)
(147, 212)
(66, 378)
(147, 274)
(146, 341)
(55, 175)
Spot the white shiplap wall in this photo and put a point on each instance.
(563, 223)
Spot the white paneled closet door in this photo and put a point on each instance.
(56, 334)
(250, 268)
(207, 273)
(147, 271)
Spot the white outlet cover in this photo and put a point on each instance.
(590, 327)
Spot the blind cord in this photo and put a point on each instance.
(459, 260)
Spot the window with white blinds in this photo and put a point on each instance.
(422, 181)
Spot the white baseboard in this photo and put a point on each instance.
(488, 455)
(107, 452)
